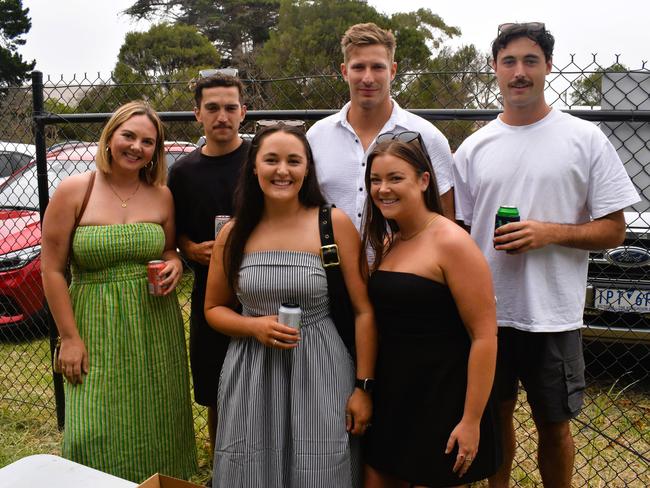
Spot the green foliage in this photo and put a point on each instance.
(307, 40)
(588, 89)
(429, 24)
(63, 132)
(293, 40)
(169, 97)
(235, 27)
(164, 51)
(153, 66)
(308, 36)
(14, 23)
(16, 118)
(450, 80)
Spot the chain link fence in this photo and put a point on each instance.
(613, 431)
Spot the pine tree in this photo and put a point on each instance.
(14, 24)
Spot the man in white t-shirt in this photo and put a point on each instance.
(341, 142)
(570, 187)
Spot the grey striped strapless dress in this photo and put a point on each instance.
(282, 413)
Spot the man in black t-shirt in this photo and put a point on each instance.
(203, 184)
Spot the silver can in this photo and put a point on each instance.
(289, 314)
(219, 222)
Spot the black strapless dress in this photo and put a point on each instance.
(421, 382)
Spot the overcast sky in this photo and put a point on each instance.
(73, 37)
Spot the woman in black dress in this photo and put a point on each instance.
(435, 310)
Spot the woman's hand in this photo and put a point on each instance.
(273, 334)
(358, 412)
(467, 435)
(73, 359)
(171, 273)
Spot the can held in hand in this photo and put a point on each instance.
(505, 215)
(289, 314)
(219, 222)
(155, 279)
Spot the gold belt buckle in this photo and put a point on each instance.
(329, 255)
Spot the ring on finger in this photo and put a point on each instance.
(275, 342)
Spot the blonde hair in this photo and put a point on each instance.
(368, 34)
(154, 173)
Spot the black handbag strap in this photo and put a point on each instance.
(329, 251)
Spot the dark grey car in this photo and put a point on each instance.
(617, 305)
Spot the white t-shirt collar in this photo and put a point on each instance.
(397, 118)
(548, 117)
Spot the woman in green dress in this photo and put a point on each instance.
(122, 352)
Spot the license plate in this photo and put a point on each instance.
(622, 300)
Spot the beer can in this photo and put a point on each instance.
(153, 275)
(219, 222)
(289, 314)
(505, 215)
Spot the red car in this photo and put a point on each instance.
(21, 290)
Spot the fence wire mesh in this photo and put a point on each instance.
(612, 433)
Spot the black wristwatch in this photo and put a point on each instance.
(366, 384)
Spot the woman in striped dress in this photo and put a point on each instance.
(287, 402)
(122, 350)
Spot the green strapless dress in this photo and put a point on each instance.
(132, 415)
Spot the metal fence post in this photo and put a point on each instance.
(44, 197)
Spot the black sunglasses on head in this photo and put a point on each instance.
(408, 137)
(204, 73)
(530, 26)
(286, 122)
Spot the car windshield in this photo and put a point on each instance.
(5, 164)
(21, 191)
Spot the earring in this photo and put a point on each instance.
(150, 165)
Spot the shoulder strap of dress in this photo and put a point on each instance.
(89, 190)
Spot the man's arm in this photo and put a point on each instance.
(447, 202)
(198, 252)
(602, 233)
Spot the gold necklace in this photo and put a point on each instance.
(429, 222)
(123, 200)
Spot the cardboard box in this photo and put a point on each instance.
(162, 481)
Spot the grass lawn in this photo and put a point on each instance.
(612, 433)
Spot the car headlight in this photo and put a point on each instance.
(20, 258)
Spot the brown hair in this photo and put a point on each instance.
(215, 81)
(249, 198)
(153, 174)
(379, 232)
(369, 34)
(539, 35)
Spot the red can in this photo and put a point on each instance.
(153, 274)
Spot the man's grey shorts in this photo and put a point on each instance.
(551, 368)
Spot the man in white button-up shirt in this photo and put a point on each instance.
(341, 142)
